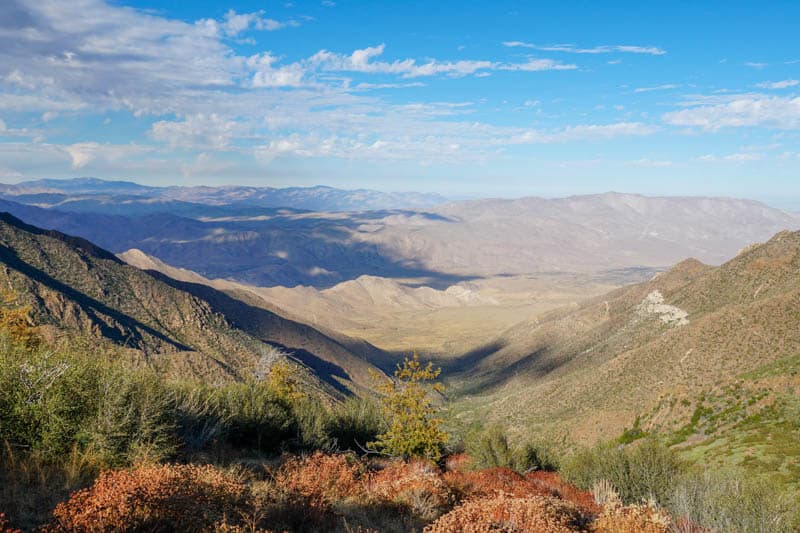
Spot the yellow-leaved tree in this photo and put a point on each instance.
(414, 427)
(15, 319)
(284, 383)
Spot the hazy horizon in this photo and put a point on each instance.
(788, 204)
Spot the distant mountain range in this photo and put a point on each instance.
(438, 246)
(186, 328)
(126, 197)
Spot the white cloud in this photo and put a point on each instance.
(783, 84)
(518, 44)
(740, 111)
(536, 65)
(200, 130)
(650, 163)
(604, 49)
(663, 87)
(583, 132)
(236, 23)
(756, 65)
(363, 61)
(84, 153)
(267, 75)
(735, 158)
(370, 86)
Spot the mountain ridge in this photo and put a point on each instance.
(73, 285)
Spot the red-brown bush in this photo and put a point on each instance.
(457, 462)
(492, 481)
(322, 478)
(417, 485)
(169, 497)
(502, 513)
(555, 485)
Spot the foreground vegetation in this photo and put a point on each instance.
(91, 442)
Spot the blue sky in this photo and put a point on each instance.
(463, 98)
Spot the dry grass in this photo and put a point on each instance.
(645, 518)
(31, 486)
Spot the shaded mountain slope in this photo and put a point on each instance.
(653, 347)
(73, 285)
(252, 311)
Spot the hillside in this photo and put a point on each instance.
(74, 286)
(705, 354)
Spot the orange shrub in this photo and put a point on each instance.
(457, 461)
(492, 481)
(5, 527)
(169, 497)
(417, 485)
(555, 485)
(322, 478)
(506, 514)
(633, 519)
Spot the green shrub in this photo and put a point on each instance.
(640, 472)
(733, 501)
(199, 420)
(46, 397)
(311, 420)
(135, 418)
(355, 422)
(538, 456)
(491, 448)
(255, 418)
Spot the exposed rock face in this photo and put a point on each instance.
(653, 304)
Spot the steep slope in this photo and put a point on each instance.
(655, 349)
(330, 353)
(75, 286)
